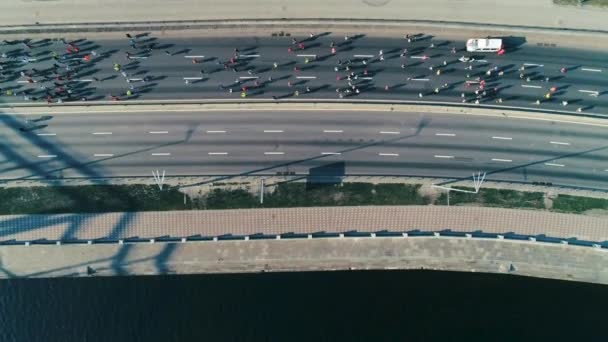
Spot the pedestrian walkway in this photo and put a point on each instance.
(242, 222)
(538, 13)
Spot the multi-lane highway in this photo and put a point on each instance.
(378, 68)
(267, 142)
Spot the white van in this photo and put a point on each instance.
(484, 45)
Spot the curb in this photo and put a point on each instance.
(238, 104)
(277, 24)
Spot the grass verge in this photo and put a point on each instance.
(577, 204)
(495, 198)
(303, 195)
(597, 3)
(110, 198)
(88, 198)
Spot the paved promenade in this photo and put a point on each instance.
(456, 254)
(538, 13)
(299, 220)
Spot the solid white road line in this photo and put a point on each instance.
(138, 57)
(592, 70)
(274, 153)
(445, 134)
(589, 91)
(249, 56)
(85, 80)
(332, 131)
(46, 134)
(389, 132)
(211, 132)
(366, 78)
(306, 77)
(330, 153)
(161, 154)
(420, 79)
(389, 154)
(418, 57)
(273, 131)
(136, 79)
(553, 164)
(194, 56)
(193, 78)
(530, 86)
(218, 153)
(307, 55)
(249, 77)
(363, 56)
(103, 155)
(102, 133)
(158, 132)
(47, 156)
(559, 143)
(445, 157)
(533, 64)
(502, 160)
(502, 138)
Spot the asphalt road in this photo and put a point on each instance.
(328, 143)
(154, 74)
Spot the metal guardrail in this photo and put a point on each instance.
(478, 234)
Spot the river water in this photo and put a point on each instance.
(318, 306)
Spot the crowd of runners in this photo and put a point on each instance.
(432, 67)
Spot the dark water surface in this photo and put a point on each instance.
(319, 306)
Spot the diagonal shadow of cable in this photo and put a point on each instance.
(118, 262)
(160, 261)
(507, 169)
(75, 221)
(91, 174)
(26, 223)
(423, 123)
(7, 273)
